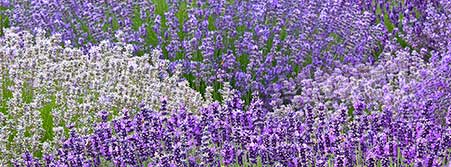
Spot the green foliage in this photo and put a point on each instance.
(378, 52)
(198, 56)
(4, 20)
(244, 61)
(296, 68)
(201, 86)
(85, 29)
(247, 97)
(196, 83)
(283, 33)
(378, 12)
(182, 17)
(217, 86)
(417, 13)
(182, 14)
(161, 7)
(180, 55)
(151, 36)
(388, 24)
(240, 30)
(6, 94)
(402, 42)
(308, 60)
(136, 19)
(268, 45)
(211, 23)
(115, 24)
(351, 110)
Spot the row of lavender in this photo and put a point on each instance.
(257, 46)
(338, 83)
(228, 134)
(265, 43)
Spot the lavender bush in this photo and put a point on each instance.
(232, 136)
(46, 88)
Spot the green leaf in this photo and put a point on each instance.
(283, 33)
(378, 52)
(296, 68)
(179, 56)
(84, 28)
(6, 95)
(240, 29)
(136, 19)
(244, 61)
(190, 78)
(198, 56)
(151, 37)
(182, 14)
(202, 87)
(38, 154)
(105, 27)
(388, 24)
(417, 13)
(217, 86)
(47, 119)
(247, 97)
(308, 60)
(269, 44)
(161, 7)
(115, 24)
(140, 53)
(351, 112)
(211, 23)
(378, 13)
(402, 42)
(259, 162)
(6, 22)
(12, 136)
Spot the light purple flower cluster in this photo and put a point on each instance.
(228, 134)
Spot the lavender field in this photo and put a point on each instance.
(229, 83)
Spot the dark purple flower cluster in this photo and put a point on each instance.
(228, 134)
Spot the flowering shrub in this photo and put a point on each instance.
(48, 87)
(385, 83)
(230, 135)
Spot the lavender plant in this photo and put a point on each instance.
(47, 87)
(230, 135)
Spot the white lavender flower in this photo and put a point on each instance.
(53, 87)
